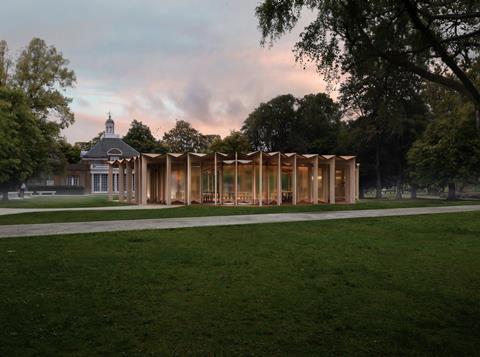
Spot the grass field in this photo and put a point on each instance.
(60, 202)
(201, 211)
(401, 286)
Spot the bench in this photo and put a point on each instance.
(16, 194)
(43, 193)
(13, 194)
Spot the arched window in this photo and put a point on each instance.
(114, 154)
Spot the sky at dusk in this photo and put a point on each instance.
(158, 61)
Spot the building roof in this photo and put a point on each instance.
(105, 148)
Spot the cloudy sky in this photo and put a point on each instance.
(160, 60)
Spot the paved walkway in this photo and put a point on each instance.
(5, 211)
(184, 222)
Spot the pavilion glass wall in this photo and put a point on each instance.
(156, 186)
(272, 184)
(269, 183)
(195, 188)
(304, 183)
(323, 183)
(208, 183)
(245, 184)
(287, 184)
(228, 184)
(340, 181)
(177, 182)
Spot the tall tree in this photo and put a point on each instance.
(288, 124)
(71, 153)
(236, 141)
(436, 40)
(33, 92)
(5, 63)
(43, 74)
(184, 138)
(449, 151)
(318, 124)
(271, 126)
(392, 116)
(24, 145)
(141, 139)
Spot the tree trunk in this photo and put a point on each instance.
(451, 191)
(477, 118)
(413, 192)
(378, 174)
(398, 193)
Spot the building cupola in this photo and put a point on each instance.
(110, 127)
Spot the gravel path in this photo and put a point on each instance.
(25, 230)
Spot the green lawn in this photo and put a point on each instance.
(201, 211)
(386, 286)
(59, 202)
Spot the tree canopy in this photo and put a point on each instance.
(270, 127)
(22, 141)
(449, 150)
(288, 124)
(436, 40)
(392, 114)
(236, 141)
(141, 138)
(42, 72)
(184, 138)
(33, 111)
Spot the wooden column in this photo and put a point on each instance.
(121, 182)
(331, 181)
(254, 186)
(315, 180)
(189, 180)
(168, 179)
(215, 180)
(160, 178)
(135, 180)
(294, 180)
(279, 179)
(220, 184)
(260, 179)
(144, 180)
(351, 181)
(110, 182)
(129, 181)
(357, 182)
(236, 181)
(138, 181)
(200, 183)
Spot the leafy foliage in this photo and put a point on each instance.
(270, 127)
(33, 110)
(434, 39)
(235, 142)
(184, 138)
(24, 146)
(5, 63)
(288, 124)
(42, 72)
(449, 150)
(392, 114)
(70, 152)
(141, 139)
